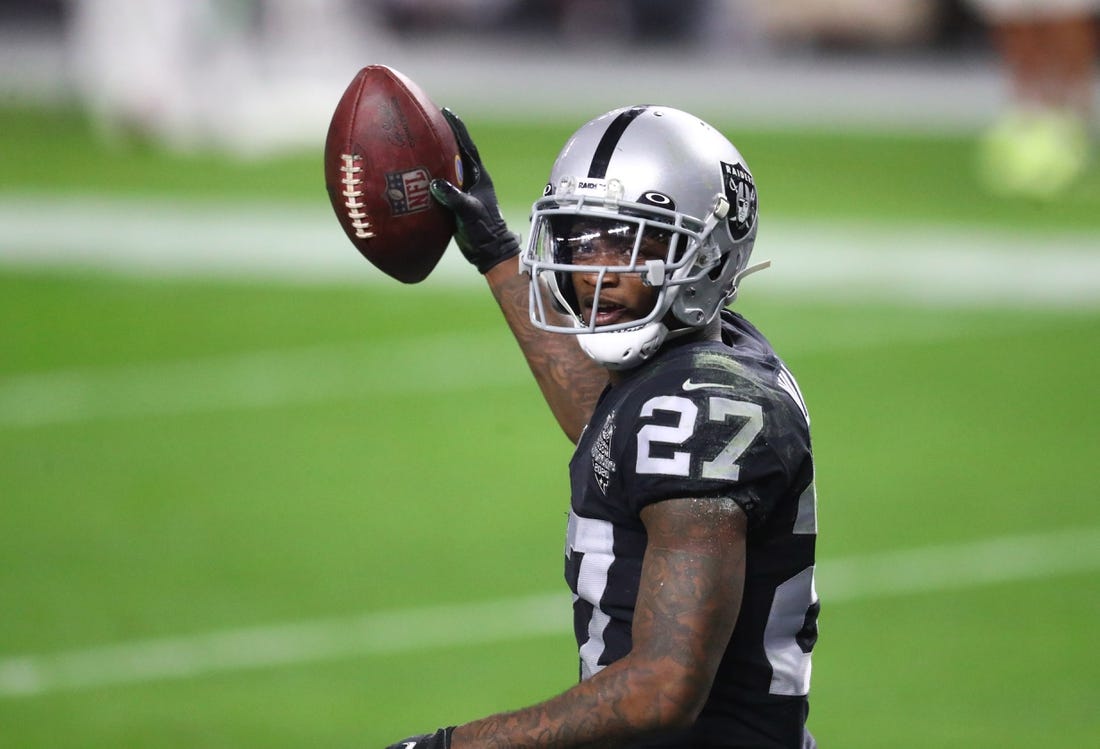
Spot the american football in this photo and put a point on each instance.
(386, 142)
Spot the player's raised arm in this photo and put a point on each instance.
(570, 381)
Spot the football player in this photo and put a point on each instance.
(690, 541)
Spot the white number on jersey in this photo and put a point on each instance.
(724, 465)
(595, 539)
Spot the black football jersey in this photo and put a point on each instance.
(718, 419)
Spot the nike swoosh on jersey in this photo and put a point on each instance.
(689, 385)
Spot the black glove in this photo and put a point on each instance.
(441, 739)
(481, 232)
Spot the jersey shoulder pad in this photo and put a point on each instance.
(708, 426)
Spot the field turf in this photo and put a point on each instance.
(179, 458)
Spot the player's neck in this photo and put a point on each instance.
(712, 332)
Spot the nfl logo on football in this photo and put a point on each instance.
(408, 191)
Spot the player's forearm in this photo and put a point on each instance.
(570, 381)
(688, 600)
(627, 700)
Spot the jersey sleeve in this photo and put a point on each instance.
(731, 439)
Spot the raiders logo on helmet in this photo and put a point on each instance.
(741, 193)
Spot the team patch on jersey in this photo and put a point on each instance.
(602, 464)
(741, 193)
(408, 191)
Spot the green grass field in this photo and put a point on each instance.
(183, 457)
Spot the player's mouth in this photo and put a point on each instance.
(608, 313)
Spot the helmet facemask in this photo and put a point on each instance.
(601, 237)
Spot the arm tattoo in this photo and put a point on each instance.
(570, 382)
(692, 579)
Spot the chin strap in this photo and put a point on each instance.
(763, 265)
(736, 286)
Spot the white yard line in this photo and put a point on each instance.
(319, 374)
(258, 380)
(918, 264)
(929, 266)
(868, 577)
(957, 566)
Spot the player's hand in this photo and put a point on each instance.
(441, 739)
(481, 234)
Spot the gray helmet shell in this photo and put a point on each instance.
(657, 166)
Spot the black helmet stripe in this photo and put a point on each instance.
(602, 157)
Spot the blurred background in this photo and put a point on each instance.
(253, 492)
(250, 75)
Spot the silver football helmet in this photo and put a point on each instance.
(675, 198)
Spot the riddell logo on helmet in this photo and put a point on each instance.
(594, 185)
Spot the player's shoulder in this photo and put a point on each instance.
(697, 373)
(742, 367)
(742, 364)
